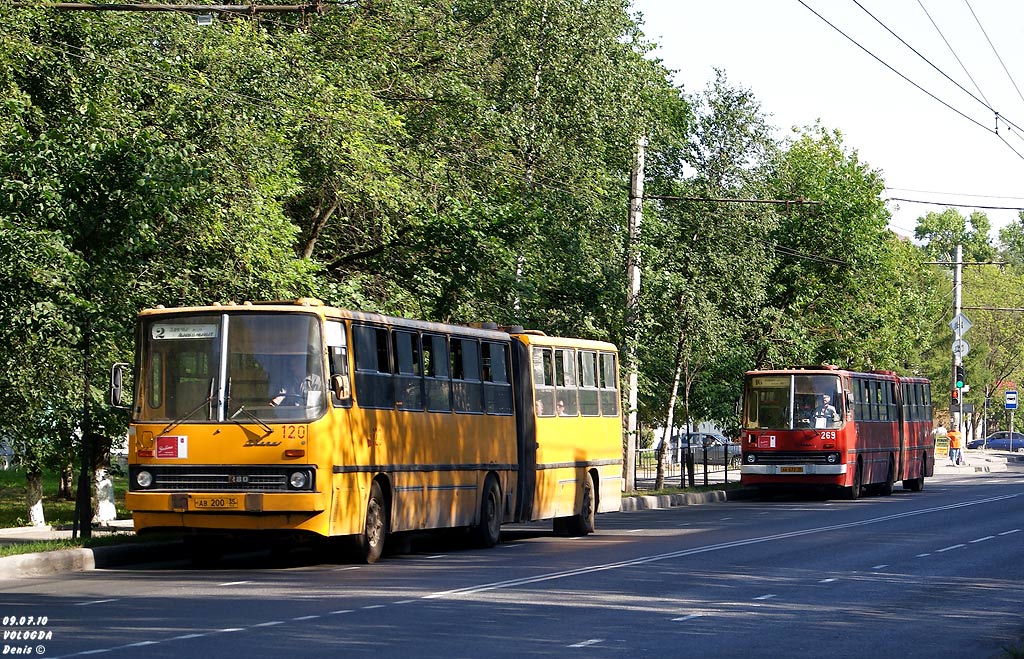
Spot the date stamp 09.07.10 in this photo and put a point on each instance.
(24, 635)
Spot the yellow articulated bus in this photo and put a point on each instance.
(299, 418)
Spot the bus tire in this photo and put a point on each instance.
(375, 527)
(885, 489)
(853, 492)
(487, 531)
(583, 523)
(916, 484)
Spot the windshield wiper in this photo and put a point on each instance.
(241, 410)
(181, 419)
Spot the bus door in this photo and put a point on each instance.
(526, 431)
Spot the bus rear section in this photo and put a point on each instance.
(570, 430)
(834, 431)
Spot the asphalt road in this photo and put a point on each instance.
(933, 574)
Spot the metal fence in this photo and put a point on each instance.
(675, 470)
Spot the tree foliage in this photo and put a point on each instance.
(448, 161)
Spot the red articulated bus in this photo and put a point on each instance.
(827, 428)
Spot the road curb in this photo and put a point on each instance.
(48, 563)
(657, 501)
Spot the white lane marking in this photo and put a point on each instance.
(635, 530)
(765, 597)
(987, 537)
(511, 583)
(234, 583)
(96, 602)
(879, 567)
(404, 602)
(346, 569)
(827, 580)
(923, 555)
(593, 641)
(686, 618)
(306, 618)
(269, 624)
(435, 557)
(373, 606)
(586, 570)
(949, 548)
(141, 644)
(724, 519)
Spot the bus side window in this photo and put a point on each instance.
(609, 386)
(408, 380)
(567, 403)
(588, 384)
(374, 385)
(337, 356)
(543, 382)
(466, 385)
(435, 372)
(497, 385)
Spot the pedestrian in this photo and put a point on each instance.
(954, 447)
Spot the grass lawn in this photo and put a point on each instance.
(14, 511)
(57, 511)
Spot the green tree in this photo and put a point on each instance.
(941, 232)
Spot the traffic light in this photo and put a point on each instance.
(959, 377)
(955, 400)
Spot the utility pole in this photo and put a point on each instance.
(632, 325)
(957, 333)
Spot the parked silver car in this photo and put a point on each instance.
(717, 447)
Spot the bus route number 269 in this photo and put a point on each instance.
(828, 434)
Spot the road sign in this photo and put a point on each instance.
(961, 347)
(1011, 400)
(960, 325)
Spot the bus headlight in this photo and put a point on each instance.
(298, 480)
(751, 458)
(832, 458)
(144, 479)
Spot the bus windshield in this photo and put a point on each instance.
(782, 402)
(273, 368)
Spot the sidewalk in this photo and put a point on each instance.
(71, 560)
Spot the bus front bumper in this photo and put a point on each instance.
(793, 470)
(225, 502)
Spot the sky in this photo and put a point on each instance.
(942, 148)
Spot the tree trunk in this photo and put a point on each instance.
(659, 481)
(103, 506)
(34, 497)
(67, 483)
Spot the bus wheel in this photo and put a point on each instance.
(885, 489)
(371, 542)
(583, 523)
(916, 484)
(853, 492)
(487, 532)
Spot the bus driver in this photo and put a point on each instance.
(825, 414)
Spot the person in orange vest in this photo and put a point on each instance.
(955, 445)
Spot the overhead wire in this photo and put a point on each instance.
(953, 52)
(993, 47)
(908, 80)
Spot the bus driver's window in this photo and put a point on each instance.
(337, 354)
